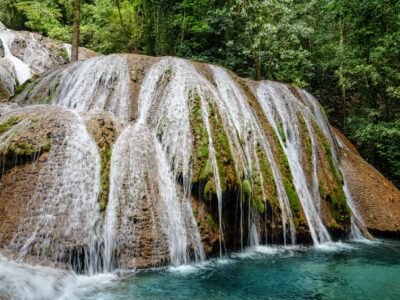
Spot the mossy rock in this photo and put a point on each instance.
(332, 191)
(9, 124)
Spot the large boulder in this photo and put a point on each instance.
(24, 55)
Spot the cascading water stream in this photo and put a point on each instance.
(334, 140)
(156, 128)
(315, 192)
(21, 69)
(63, 209)
(152, 161)
(232, 103)
(216, 174)
(321, 120)
(357, 221)
(98, 83)
(274, 98)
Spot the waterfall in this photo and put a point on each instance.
(321, 120)
(20, 69)
(247, 131)
(98, 83)
(159, 144)
(235, 108)
(335, 141)
(358, 227)
(63, 210)
(277, 99)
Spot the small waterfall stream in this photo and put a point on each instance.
(99, 83)
(20, 69)
(232, 103)
(64, 209)
(272, 96)
(158, 134)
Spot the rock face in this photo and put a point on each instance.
(133, 161)
(2, 53)
(377, 200)
(24, 55)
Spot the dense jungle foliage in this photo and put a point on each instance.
(346, 52)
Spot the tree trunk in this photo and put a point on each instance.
(75, 33)
(183, 26)
(120, 19)
(257, 63)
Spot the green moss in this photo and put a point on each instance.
(225, 163)
(321, 189)
(246, 189)
(206, 171)
(210, 222)
(263, 190)
(203, 170)
(282, 159)
(102, 205)
(341, 176)
(24, 149)
(45, 146)
(335, 195)
(105, 156)
(21, 88)
(282, 132)
(8, 124)
(258, 202)
(248, 91)
(298, 219)
(334, 225)
(293, 200)
(195, 212)
(305, 135)
(202, 166)
(208, 191)
(202, 151)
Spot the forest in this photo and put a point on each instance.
(344, 52)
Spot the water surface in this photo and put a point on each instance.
(348, 270)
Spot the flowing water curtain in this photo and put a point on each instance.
(20, 69)
(63, 220)
(279, 105)
(96, 84)
(234, 105)
(162, 130)
(162, 150)
(335, 141)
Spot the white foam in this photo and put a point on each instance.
(332, 247)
